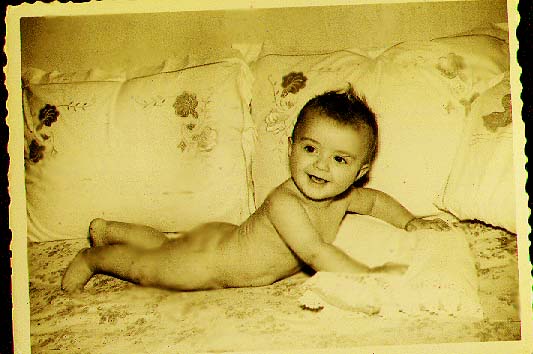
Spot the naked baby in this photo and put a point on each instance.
(333, 144)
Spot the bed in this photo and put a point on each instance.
(114, 316)
(205, 138)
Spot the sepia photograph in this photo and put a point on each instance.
(267, 176)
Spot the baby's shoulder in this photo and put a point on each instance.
(360, 200)
(282, 195)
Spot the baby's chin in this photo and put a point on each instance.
(319, 191)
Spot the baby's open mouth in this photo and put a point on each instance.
(317, 179)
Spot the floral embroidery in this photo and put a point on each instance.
(206, 140)
(451, 66)
(36, 151)
(196, 134)
(186, 105)
(43, 132)
(462, 86)
(496, 120)
(48, 115)
(467, 103)
(292, 83)
(193, 118)
(277, 121)
(182, 145)
(153, 102)
(75, 106)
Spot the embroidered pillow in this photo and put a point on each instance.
(180, 145)
(420, 92)
(169, 149)
(66, 141)
(283, 84)
(423, 90)
(481, 182)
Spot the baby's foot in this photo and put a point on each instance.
(77, 274)
(97, 232)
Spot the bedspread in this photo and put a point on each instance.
(113, 316)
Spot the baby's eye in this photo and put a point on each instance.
(340, 159)
(309, 148)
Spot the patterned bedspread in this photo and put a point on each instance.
(113, 316)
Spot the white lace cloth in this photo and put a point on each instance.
(441, 279)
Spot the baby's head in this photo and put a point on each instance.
(333, 143)
(347, 109)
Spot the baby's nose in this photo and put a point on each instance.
(322, 163)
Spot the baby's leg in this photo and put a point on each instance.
(104, 232)
(115, 259)
(185, 263)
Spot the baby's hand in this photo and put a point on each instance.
(435, 224)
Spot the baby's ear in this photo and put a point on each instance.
(289, 151)
(362, 171)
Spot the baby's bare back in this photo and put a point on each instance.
(254, 253)
(228, 255)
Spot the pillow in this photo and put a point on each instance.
(66, 137)
(283, 84)
(421, 92)
(169, 150)
(180, 148)
(481, 182)
(441, 278)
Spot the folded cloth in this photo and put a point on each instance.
(441, 279)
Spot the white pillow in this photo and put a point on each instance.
(481, 182)
(282, 86)
(180, 148)
(124, 150)
(421, 92)
(66, 139)
(441, 278)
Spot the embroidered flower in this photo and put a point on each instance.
(36, 151)
(276, 122)
(186, 105)
(451, 65)
(292, 83)
(496, 120)
(206, 140)
(48, 115)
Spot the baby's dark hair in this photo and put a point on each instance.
(345, 107)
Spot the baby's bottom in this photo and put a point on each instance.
(145, 256)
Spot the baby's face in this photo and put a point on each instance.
(326, 157)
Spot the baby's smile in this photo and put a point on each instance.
(317, 179)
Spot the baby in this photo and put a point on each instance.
(333, 144)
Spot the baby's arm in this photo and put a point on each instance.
(382, 206)
(295, 228)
